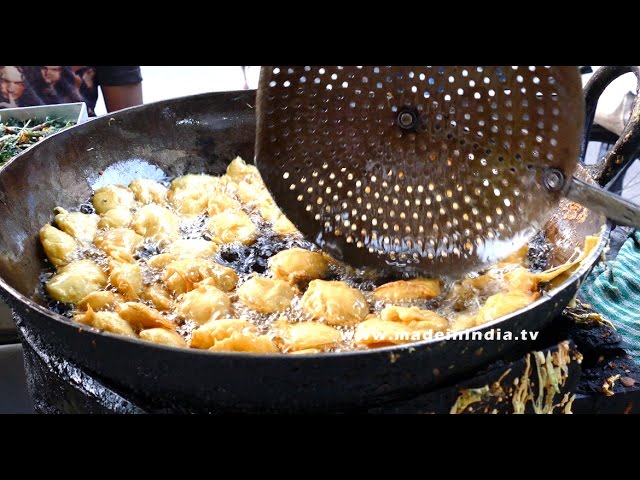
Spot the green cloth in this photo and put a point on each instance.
(613, 290)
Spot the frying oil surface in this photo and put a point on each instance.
(211, 262)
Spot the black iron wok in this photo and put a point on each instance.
(202, 134)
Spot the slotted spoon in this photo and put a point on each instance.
(424, 169)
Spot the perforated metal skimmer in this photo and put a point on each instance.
(425, 169)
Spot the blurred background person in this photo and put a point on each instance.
(56, 84)
(51, 76)
(15, 90)
(24, 86)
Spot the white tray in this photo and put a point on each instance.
(66, 112)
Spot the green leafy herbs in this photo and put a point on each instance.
(17, 135)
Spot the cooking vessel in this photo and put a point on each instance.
(201, 134)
